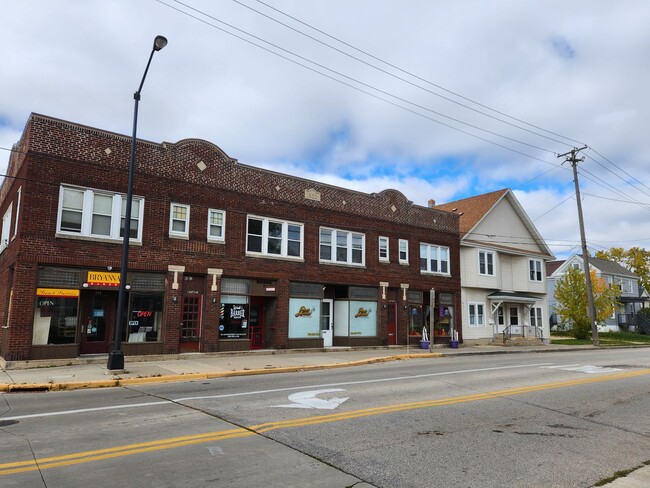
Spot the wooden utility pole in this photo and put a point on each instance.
(591, 307)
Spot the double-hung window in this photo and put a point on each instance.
(179, 221)
(536, 316)
(535, 269)
(341, 246)
(383, 249)
(403, 251)
(6, 228)
(97, 214)
(271, 237)
(486, 263)
(216, 225)
(476, 314)
(434, 259)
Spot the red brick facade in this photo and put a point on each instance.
(197, 173)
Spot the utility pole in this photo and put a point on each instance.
(591, 307)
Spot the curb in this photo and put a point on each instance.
(117, 381)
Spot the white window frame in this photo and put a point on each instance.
(18, 196)
(487, 262)
(384, 249)
(536, 315)
(335, 245)
(5, 235)
(501, 318)
(510, 316)
(85, 231)
(215, 211)
(476, 314)
(185, 233)
(403, 251)
(535, 268)
(429, 248)
(284, 238)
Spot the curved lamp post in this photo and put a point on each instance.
(116, 356)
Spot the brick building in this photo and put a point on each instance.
(223, 256)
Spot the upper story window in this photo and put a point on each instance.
(179, 221)
(434, 259)
(100, 214)
(18, 195)
(486, 263)
(216, 225)
(383, 249)
(6, 229)
(403, 251)
(340, 246)
(625, 285)
(535, 269)
(272, 237)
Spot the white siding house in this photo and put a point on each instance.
(503, 270)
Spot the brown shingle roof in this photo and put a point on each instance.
(472, 209)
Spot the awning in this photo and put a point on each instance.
(515, 297)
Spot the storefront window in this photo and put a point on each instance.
(363, 319)
(55, 320)
(304, 318)
(145, 317)
(233, 320)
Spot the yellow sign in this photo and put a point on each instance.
(103, 278)
(56, 292)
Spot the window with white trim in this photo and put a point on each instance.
(434, 259)
(179, 221)
(403, 251)
(476, 314)
(535, 269)
(486, 263)
(383, 249)
(94, 213)
(536, 316)
(514, 316)
(18, 195)
(216, 225)
(271, 237)
(501, 320)
(341, 246)
(6, 229)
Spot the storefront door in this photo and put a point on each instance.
(392, 324)
(327, 322)
(97, 319)
(256, 323)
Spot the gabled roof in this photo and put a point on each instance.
(551, 266)
(602, 265)
(474, 210)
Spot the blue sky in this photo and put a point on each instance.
(440, 100)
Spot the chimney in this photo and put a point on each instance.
(432, 203)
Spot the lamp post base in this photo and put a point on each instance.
(115, 361)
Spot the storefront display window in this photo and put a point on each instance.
(363, 319)
(55, 320)
(234, 317)
(304, 318)
(145, 317)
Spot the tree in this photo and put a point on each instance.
(635, 259)
(571, 294)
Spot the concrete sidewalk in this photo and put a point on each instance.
(91, 372)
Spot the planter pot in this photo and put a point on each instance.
(453, 344)
(424, 344)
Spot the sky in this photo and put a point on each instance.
(438, 99)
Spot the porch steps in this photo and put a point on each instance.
(516, 341)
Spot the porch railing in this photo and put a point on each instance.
(523, 331)
(640, 322)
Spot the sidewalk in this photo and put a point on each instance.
(91, 372)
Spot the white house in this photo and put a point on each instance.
(503, 270)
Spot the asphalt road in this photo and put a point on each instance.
(527, 420)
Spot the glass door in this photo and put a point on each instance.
(97, 321)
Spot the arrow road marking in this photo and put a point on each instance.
(308, 399)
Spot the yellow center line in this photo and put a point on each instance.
(174, 442)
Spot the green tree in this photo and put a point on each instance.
(571, 295)
(635, 259)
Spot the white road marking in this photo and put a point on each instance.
(308, 399)
(275, 390)
(585, 368)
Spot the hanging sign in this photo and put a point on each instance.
(103, 278)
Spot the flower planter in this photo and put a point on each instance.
(453, 344)
(424, 344)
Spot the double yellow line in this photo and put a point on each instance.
(143, 447)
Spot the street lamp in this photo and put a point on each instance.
(116, 356)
